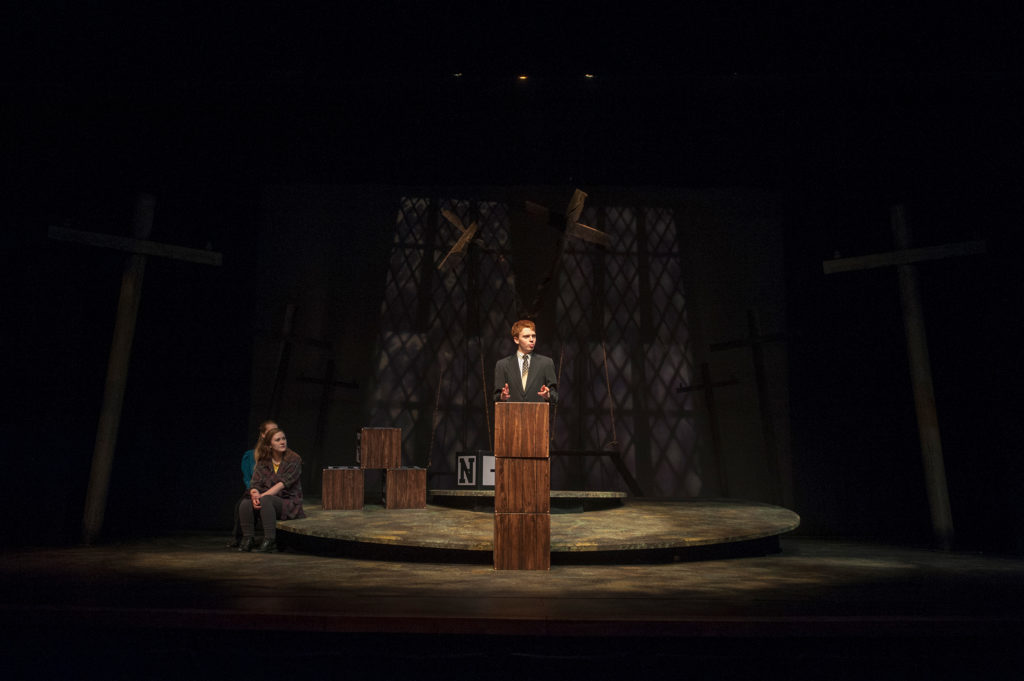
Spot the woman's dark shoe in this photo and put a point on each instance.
(268, 546)
(246, 544)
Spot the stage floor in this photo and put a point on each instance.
(633, 529)
(185, 606)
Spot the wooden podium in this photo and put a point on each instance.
(522, 487)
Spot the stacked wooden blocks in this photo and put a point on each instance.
(380, 449)
(522, 487)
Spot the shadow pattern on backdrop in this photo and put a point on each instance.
(622, 309)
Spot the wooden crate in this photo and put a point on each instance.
(521, 430)
(342, 489)
(522, 541)
(522, 485)
(380, 448)
(405, 488)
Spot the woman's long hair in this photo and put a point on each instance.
(263, 450)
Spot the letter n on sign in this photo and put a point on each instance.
(467, 470)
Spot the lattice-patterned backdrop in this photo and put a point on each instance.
(621, 326)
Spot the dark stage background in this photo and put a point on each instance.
(217, 112)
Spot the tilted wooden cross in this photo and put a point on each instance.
(121, 345)
(708, 387)
(756, 341)
(286, 341)
(328, 384)
(462, 244)
(904, 260)
(570, 226)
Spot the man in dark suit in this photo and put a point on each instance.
(525, 376)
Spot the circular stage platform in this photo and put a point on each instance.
(630, 531)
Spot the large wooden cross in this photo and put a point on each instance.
(121, 345)
(904, 260)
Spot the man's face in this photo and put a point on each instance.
(526, 339)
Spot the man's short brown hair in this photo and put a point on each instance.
(522, 324)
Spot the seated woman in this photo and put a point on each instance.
(248, 463)
(276, 491)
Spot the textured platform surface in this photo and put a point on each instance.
(636, 525)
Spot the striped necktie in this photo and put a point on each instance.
(526, 369)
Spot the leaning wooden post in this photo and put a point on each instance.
(117, 375)
(917, 354)
(924, 393)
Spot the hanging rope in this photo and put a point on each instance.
(433, 418)
(611, 402)
(487, 401)
(558, 378)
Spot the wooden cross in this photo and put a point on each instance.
(708, 386)
(460, 247)
(904, 260)
(121, 345)
(756, 341)
(287, 340)
(329, 384)
(572, 226)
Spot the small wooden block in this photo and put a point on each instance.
(521, 430)
(522, 541)
(342, 489)
(380, 448)
(522, 485)
(405, 488)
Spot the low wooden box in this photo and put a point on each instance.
(380, 448)
(522, 541)
(522, 485)
(342, 489)
(405, 488)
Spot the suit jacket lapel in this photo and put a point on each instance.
(533, 378)
(515, 381)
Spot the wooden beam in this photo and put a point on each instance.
(462, 244)
(902, 257)
(137, 246)
(924, 392)
(588, 233)
(572, 226)
(117, 376)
